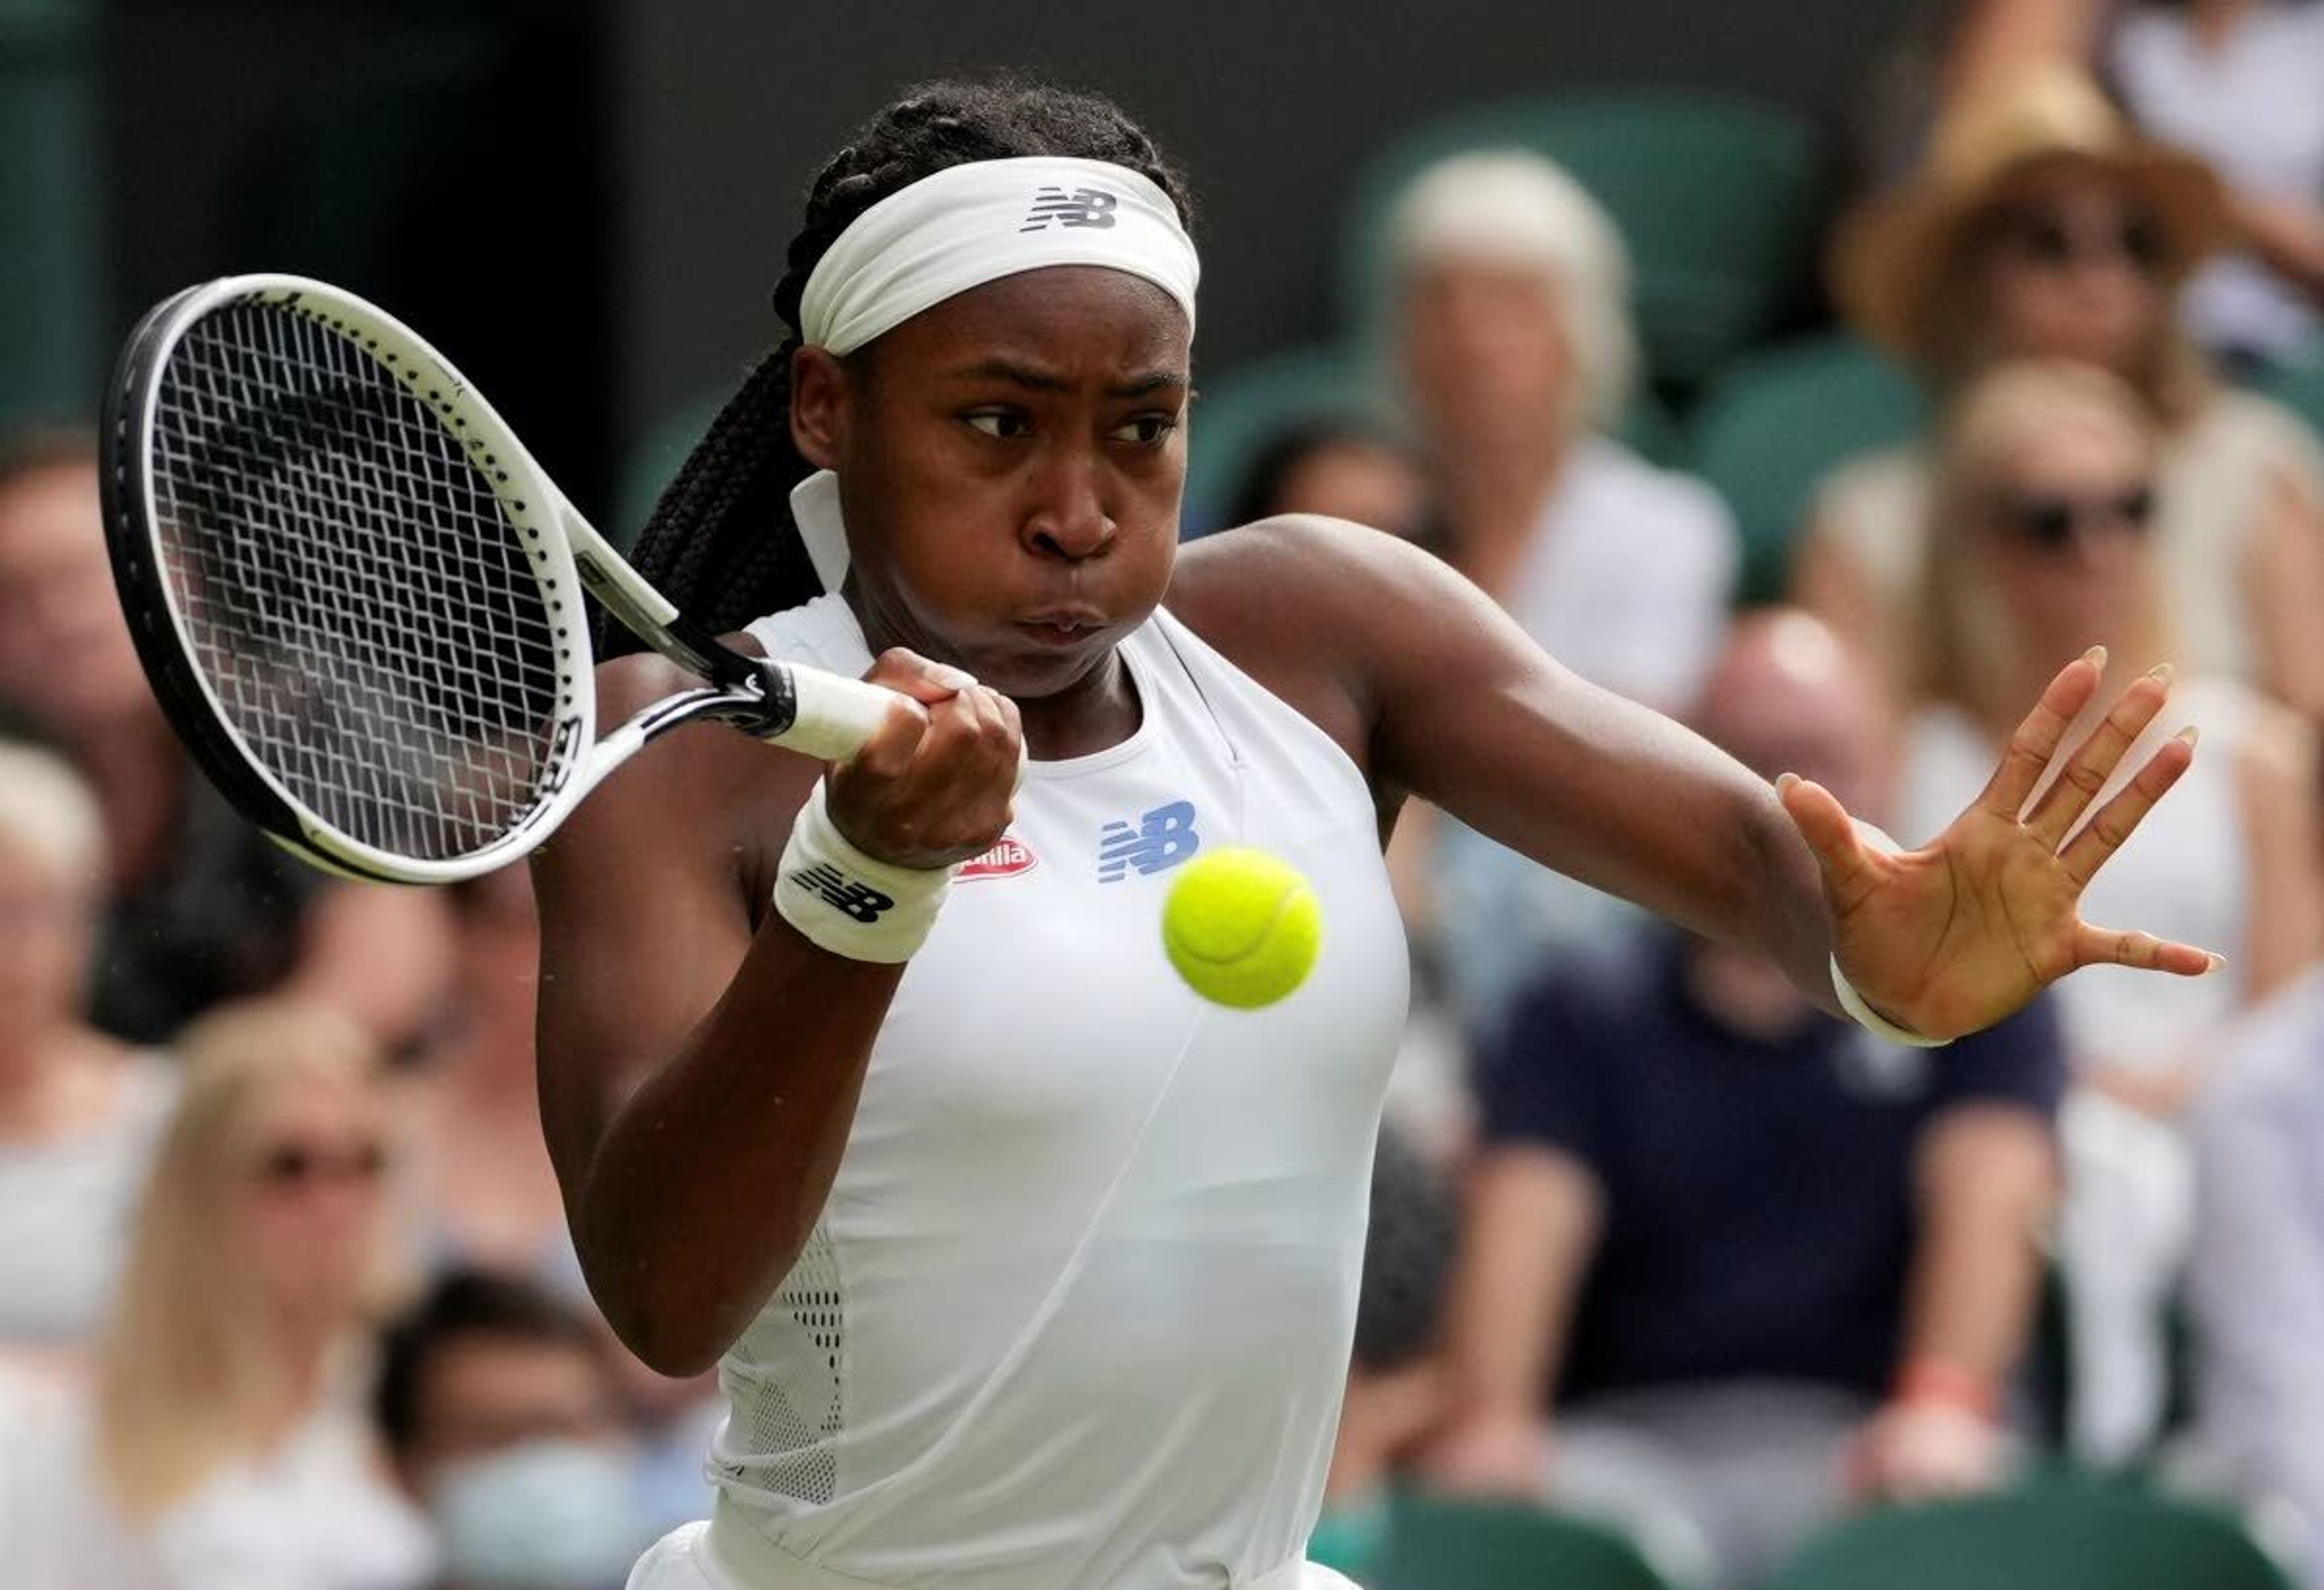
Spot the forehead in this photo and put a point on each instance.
(1069, 317)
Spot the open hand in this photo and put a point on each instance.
(1953, 937)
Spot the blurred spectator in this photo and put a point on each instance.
(503, 1419)
(2040, 547)
(1953, 48)
(78, 1113)
(487, 1194)
(2255, 1286)
(2042, 226)
(1339, 470)
(228, 1443)
(1756, 1259)
(1395, 1382)
(204, 907)
(1518, 357)
(2235, 80)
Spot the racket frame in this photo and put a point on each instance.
(565, 553)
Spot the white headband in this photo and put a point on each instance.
(975, 223)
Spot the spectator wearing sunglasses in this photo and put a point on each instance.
(228, 1446)
(2042, 226)
(2043, 542)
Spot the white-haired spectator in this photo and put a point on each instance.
(79, 1112)
(1513, 340)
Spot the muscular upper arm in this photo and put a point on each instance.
(1440, 693)
(645, 912)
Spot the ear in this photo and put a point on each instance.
(819, 406)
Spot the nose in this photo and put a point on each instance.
(1068, 518)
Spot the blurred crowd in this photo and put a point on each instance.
(286, 1296)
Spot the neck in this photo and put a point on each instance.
(37, 1073)
(1096, 711)
(137, 770)
(2214, 20)
(1749, 993)
(1491, 496)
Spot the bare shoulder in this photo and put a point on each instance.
(1304, 605)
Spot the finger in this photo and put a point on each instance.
(2119, 817)
(2112, 946)
(2037, 739)
(1831, 834)
(2087, 771)
(911, 674)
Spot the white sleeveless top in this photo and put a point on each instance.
(1078, 1312)
(2185, 875)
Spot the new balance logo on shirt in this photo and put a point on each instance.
(842, 894)
(1161, 839)
(1083, 206)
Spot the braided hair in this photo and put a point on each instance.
(720, 543)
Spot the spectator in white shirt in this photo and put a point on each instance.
(1517, 355)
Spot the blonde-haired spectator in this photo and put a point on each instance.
(1516, 355)
(79, 1112)
(2040, 545)
(228, 1434)
(2042, 225)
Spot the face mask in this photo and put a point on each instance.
(1348, 1538)
(548, 1515)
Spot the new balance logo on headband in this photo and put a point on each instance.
(1083, 206)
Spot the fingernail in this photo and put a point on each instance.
(2096, 657)
(2218, 962)
(951, 678)
(1786, 780)
(2190, 733)
(2163, 671)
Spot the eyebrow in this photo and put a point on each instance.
(1034, 379)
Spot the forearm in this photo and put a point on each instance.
(705, 1181)
(1534, 1223)
(1988, 1182)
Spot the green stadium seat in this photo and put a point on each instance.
(2298, 385)
(2064, 1532)
(51, 363)
(1720, 199)
(1776, 424)
(1247, 407)
(1437, 1544)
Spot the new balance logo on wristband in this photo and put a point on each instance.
(842, 894)
(1083, 206)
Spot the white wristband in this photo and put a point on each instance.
(850, 903)
(1872, 1021)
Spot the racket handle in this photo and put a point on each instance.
(836, 716)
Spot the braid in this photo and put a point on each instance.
(720, 543)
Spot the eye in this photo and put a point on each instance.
(1148, 430)
(1002, 423)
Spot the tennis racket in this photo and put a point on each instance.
(359, 597)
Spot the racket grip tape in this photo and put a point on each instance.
(836, 716)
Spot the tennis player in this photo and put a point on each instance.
(1024, 1268)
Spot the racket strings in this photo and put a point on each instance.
(350, 586)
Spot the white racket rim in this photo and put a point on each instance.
(527, 497)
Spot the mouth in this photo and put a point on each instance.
(1062, 626)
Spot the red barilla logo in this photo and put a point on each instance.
(1004, 860)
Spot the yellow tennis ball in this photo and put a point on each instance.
(1242, 927)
